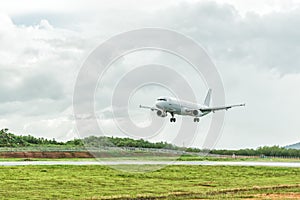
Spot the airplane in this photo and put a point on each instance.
(165, 105)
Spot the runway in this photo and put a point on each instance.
(130, 162)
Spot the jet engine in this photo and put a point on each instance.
(197, 113)
(161, 113)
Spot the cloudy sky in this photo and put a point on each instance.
(254, 46)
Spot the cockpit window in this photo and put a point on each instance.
(161, 99)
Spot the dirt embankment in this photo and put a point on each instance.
(46, 155)
(78, 154)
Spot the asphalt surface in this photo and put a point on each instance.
(130, 162)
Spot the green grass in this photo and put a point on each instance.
(180, 182)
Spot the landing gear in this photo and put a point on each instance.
(196, 119)
(173, 119)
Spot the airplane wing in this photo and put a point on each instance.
(213, 109)
(148, 107)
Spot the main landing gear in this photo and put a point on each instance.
(196, 119)
(172, 119)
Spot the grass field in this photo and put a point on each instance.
(180, 182)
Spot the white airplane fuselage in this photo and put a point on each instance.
(179, 107)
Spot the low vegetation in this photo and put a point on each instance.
(171, 182)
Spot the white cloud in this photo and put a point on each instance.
(255, 47)
(38, 69)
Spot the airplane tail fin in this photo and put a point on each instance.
(207, 98)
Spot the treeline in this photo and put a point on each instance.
(8, 139)
(275, 151)
(11, 140)
(125, 142)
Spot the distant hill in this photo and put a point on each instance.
(293, 146)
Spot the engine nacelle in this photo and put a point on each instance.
(197, 113)
(161, 113)
(187, 111)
